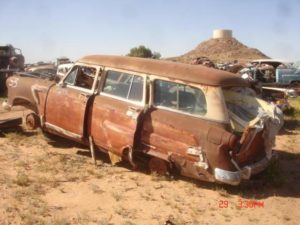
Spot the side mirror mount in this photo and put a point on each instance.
(61, 84)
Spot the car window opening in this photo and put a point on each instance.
(180, 97)
(81, 76)
(124, 85)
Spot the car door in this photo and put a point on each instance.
(116, 111)
(67, 102)
(173, 123)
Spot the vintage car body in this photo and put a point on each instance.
(11, 60)
(278, 96)
(206, 123)
(272, 72)
(273, 83)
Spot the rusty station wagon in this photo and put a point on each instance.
(205, 123)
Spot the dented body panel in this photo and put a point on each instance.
(72, 103)
(174, 115)
(114, 128)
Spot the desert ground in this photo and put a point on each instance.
(54, 182)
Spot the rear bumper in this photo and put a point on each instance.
(235, 178)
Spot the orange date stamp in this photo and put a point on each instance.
(242, 203)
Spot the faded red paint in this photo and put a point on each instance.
(194, 145)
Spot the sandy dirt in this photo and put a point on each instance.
(54, 181)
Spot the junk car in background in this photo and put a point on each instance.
(46, 70)
(273, 80)
(272, 72)
(11, 60)
(203, 122)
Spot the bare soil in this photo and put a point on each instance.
(54, 181)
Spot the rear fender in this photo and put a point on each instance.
(217, 148)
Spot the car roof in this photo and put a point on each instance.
(172, 70)
(273, 62)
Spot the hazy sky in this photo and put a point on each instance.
(48, 29)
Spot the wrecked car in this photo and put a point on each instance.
(270, 79)
(272, 72)
(45, 70)
(11, 60)
(278, 96)
(205, 123)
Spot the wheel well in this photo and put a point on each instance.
(26, 103)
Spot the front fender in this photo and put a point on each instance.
(29, 92)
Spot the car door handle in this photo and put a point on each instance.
(84, 95)
(133, 112)
(132, 108)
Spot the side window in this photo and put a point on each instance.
(136, 91)
(71, 78)
(124, 85)
(81, 76)
(180, 97)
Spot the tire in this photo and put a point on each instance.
(32, 121)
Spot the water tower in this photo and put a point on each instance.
(221, 33)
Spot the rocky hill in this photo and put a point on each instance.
(221, 50)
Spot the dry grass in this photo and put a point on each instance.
(295, 103)
(292, 115)
(22, 179)
(44, 185)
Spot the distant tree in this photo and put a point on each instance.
(156, 55)
(143, 52)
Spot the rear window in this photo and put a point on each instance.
(179, 97)
(243, 107)
(242, 102)
(124, 85)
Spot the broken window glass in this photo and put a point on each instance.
(136, 91)
(72, 76)
(81, 77)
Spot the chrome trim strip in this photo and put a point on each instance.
(88, 91)
(189, 114)
(62, 131)
(234, 178)
(228, 177)
(121, 99)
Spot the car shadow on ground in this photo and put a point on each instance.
(289, 128)
(17, 130)
(61, 142)
(281, 178)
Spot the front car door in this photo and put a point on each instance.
(67, 102)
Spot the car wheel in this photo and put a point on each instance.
(32, 121)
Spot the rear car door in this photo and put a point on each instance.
(174, 127)
(173, 123)
(67, 102)
(116, 111)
